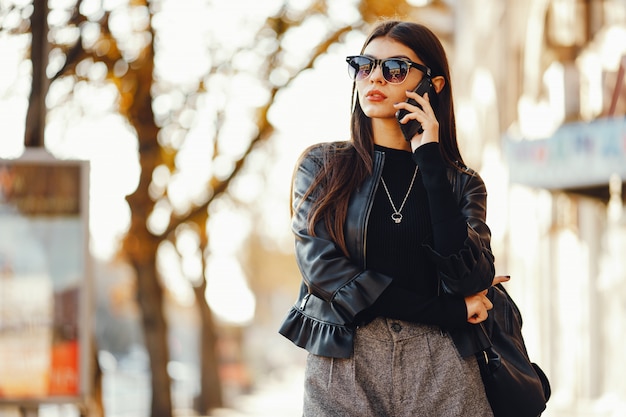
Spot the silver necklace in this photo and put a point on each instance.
(397, 216)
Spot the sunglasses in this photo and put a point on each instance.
(394, 70)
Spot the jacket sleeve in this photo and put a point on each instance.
(326, 271)
(470, 267)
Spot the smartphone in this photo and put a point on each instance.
(413, 127)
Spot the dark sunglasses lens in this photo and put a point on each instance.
(395, 70)
(359, 67)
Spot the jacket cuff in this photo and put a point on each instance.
(359, 294)
(466, 272)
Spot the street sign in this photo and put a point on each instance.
(44, 279)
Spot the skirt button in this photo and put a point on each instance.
(396, 327)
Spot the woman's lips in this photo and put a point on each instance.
(375, 95)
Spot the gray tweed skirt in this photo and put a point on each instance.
(399, 369)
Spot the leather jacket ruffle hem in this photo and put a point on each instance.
(336, 288)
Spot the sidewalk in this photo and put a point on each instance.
(279, 397)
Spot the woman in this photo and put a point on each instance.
(392, 246)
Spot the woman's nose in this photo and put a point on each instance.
(377, 75)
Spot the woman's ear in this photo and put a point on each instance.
(438, 83)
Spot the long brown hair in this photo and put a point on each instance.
(346, 165)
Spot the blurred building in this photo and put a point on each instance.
(541, 101)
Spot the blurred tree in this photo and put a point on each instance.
(86, 38)
(36, 115)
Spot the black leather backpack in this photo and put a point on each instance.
(515, 386)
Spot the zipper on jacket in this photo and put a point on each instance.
(377, 174)
(441, 330)
(304, 301)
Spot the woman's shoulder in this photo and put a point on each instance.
(463, 178)
(460, 169)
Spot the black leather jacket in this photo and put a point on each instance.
(336, 288)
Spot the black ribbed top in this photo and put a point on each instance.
(396, 249)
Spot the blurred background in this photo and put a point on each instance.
(190, 115)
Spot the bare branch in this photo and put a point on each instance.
(265, 130)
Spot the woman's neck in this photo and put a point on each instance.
(387, 133)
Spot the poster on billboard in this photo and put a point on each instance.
(577, 155)
(44, 279)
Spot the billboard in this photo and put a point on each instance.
(44, 279)
(578, 155)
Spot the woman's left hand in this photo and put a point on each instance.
(477, 306)
(426, 116)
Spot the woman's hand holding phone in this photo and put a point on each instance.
(416, 116)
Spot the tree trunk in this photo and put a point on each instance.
(140, 245)
(36, 113)
(150, 298)
(141, 248)
(210, 384)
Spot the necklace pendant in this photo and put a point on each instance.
(397, 216)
